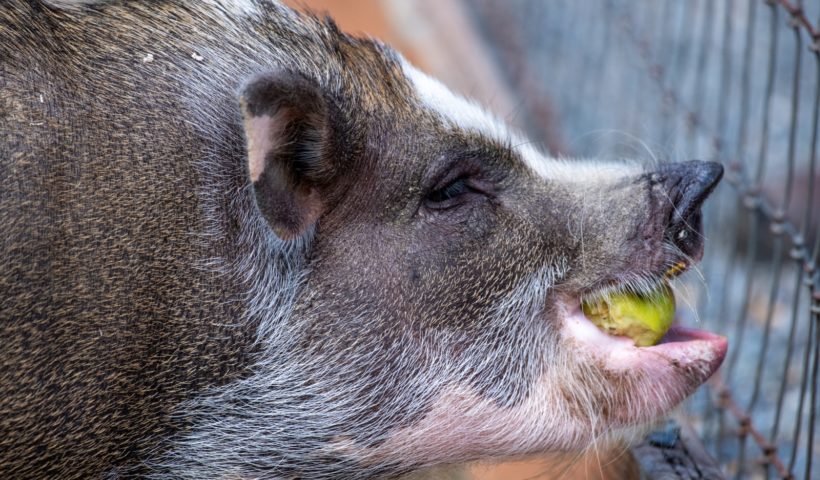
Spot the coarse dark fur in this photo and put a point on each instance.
(239, 243)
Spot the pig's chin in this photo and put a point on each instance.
(670, 370)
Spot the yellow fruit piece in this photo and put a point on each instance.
(644, 318)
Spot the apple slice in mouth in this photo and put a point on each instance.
(643, 317)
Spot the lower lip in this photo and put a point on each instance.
(682, 338)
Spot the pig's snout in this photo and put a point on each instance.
(686, 185)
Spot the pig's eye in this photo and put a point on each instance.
(449, 195)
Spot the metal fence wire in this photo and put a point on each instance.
(734, 81)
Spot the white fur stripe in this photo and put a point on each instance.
(465, 114)
(461, 113)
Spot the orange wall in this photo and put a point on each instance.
(360, 17)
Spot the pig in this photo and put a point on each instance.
(239, 243)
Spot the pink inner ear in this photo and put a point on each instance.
(264, 133)
(308, 206)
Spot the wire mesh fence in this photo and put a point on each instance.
(734, 81)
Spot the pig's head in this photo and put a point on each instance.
(417, 279)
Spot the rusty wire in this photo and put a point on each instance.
(617, 63)
(774, 214)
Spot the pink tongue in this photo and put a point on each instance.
(683, 334)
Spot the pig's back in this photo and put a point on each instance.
(107, 314)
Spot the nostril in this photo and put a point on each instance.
(686, 186)
(687, 234)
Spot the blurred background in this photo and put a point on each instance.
(734, 81)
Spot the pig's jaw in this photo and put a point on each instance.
(463, 425)
(595, 388)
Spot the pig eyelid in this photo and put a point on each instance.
(463, 179)
(454, 193)
(448, 192)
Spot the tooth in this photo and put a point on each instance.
(675, 269)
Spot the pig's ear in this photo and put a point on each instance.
(288, 130)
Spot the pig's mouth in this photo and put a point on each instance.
(681, 347)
